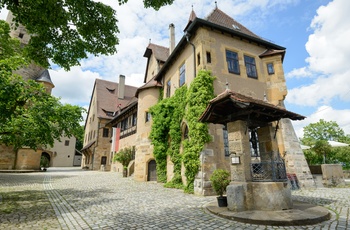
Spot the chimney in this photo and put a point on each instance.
(121, 87)
(172, 38)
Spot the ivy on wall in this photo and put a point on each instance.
(168, 115)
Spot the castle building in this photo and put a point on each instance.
(107, 100)
(26, 158)
(248, 65)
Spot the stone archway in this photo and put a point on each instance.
(45, 160)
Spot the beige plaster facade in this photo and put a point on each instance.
(204, 46)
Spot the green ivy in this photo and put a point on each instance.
(166, 135)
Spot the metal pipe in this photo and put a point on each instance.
(188, 35)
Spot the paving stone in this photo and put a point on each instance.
(71, 198)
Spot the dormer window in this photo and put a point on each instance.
(235, 27)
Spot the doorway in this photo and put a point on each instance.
(152, 171)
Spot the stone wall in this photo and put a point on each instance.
(28, 159)
(332, 175)
(7, 157)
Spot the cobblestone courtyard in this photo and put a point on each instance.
(70, 198)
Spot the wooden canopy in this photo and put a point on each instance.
(231, 106)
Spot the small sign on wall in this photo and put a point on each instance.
(235, 160)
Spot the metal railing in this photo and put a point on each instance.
(273, 170)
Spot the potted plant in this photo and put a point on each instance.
(124, 157)
(220, 179)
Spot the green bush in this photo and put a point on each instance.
(220, 179)
(124, 156)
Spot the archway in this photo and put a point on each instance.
(45, 160)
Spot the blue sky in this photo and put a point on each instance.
(315, 33)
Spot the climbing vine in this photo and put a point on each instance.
(166, 134)
(201, 91)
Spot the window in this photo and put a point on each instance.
(20, 35)
(225, 136)
(134, 119)
(66, 142)
(148, 117)
(232, 62)
(124, 124)
(105, 132)
(182, 75)
(270, 68)
(250, 66)
(208, 57)
(198, 59)
(168, 88)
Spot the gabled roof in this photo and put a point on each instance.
(231, 106)
(107, 100)
(220, 22)
(161, 53)
(220, 18)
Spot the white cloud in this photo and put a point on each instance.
(299, 73)
(327, 113)
(328, 45)
(329, 54)
(75, 86)
(3, 14)
(323, 90)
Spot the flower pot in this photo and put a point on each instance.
(222, 201)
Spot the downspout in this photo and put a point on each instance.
(188, 35)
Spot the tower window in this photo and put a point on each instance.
(270, 68)
(208, 57)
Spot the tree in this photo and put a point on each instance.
(29, 115)
(80, 138)
(317, 135)
(322, 130)
(124, 156)
(65, 31)
(322, 148)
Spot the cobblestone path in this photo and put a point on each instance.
(70, 198)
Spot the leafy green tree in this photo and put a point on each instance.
(65, 31)
(124, 156)
(322, 130)
(79, 135)
(317, 135)
(322, 148)
(29, 115)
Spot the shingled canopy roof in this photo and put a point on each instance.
(231, 106)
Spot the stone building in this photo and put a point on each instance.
(241, 61)
(107, 99)
(27, 158)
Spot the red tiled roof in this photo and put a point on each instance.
(271, 52)
(107, 97)
(231, 106)
(220, 18)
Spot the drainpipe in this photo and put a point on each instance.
(188, 35)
